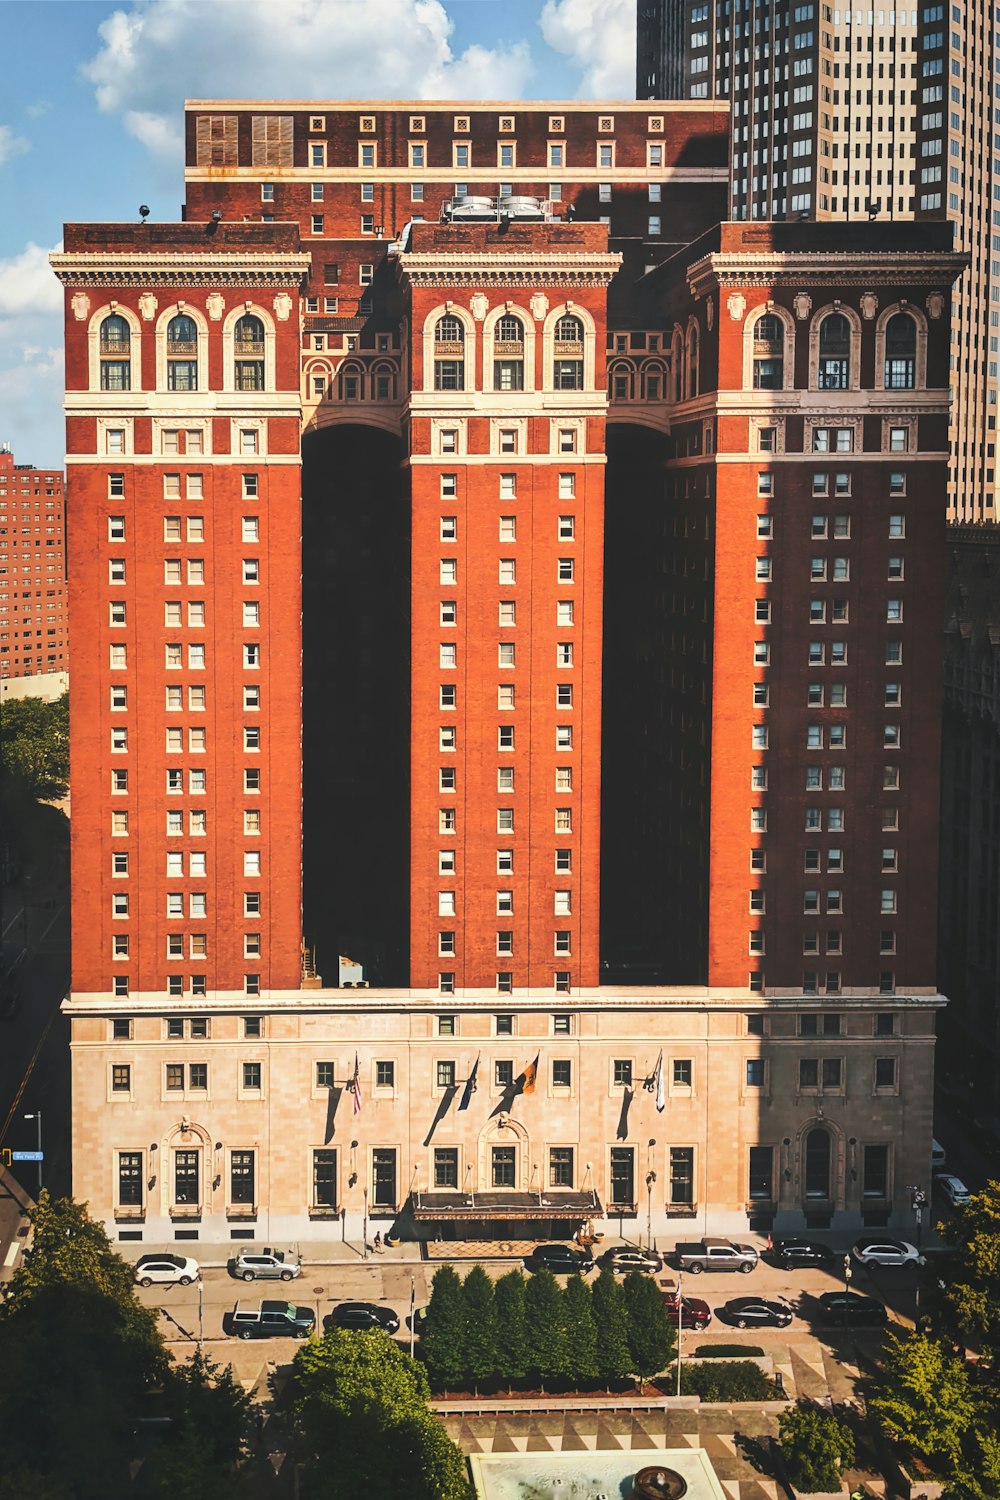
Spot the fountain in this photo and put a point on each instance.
(665, 1474)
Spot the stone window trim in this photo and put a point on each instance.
(920, 320)
(574, 310)
(254, 310)
(451, 309)
(854, 362)
(775, 310)
(511, 310)
(833, 419)
(758, 424)
(114, 309)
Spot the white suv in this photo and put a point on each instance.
(271, 1265)
(165, 1269)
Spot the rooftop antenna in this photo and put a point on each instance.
(144, 211)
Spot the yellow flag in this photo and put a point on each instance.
(529, 1075)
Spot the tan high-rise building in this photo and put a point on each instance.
(861, 114)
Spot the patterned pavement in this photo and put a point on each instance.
(732, 1438)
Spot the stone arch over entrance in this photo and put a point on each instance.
(819, 1162)
(185, 1136)
(505, 1132)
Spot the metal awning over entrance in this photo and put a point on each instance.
(505, 1206)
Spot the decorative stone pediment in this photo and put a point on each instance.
(869, 305)
(282, 307)
(215, 302)
(80, 303)
(479, 304)
(736, 304)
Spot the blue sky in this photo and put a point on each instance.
(92, 103)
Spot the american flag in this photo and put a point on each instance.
(356, 1086)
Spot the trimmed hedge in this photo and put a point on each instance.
(743, 1381)
(727, 1351)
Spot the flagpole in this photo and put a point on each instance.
(680, 1326)
(413, 1300)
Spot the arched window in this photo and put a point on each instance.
(621, 381)
(567, 354)
(351, 382)
(508, 354)
(817, 1177)
(692, 361)
(677, 365)
(653, 388)
(248, 353)
(384, 382)
(182, 354)
(768, 353)
(449, 354)
(116, 354)
(900, 353)
(834, 353)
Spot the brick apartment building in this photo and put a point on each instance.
(490, 566)
(32, 570)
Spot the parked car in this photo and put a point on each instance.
(562, 1259)
(166, 1269)
(270, 1320)
(880, 1250)
(362, 1315)
(694, 1312)
(755, 1312)
(952, 1189)
(793, 1253)
(711, 1254)
(848, 1309)
(268, 1265)
(623, 1258)
(417, 1320)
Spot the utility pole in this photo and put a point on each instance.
(680, 1325)
(413, 1312)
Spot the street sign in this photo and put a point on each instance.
(27, 1156)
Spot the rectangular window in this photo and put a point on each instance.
(560, 1166)
(760, 1184)
(383, 1178)
(324, 1179)
(875, 1172)
(622, 1177)
(446, 1166)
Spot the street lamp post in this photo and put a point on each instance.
(918, 1202)
(364, 1229)
(37, 1117)
(848, 1272)
(650, 1179)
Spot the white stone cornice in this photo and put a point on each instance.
(229, 267)
(508, 268)
(775, 267)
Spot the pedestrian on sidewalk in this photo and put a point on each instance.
(378, 1244)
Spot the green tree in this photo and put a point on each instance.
(443, 1339)
(614, 1360)
(481, 1355)
(360, 1407)
(77, 1356)
(978, 1478)
(974, 1284)
(512, 1327)
(34, 744)
(546, 1326)
(923, 1399)
(651, 1337)
(581, 1331)
(816, 1447)
(210, 1414)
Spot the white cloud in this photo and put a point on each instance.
(31, 360)
(598, 37)
(11, 145)
(155, 54)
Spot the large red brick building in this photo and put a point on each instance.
(587, 682)
(32, 570)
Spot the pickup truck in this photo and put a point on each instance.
(715, 1255)
(270, 1320)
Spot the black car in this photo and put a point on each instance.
(850, 1309)
(755, 1312)
(562, 1259)
(362, 1315)
(793, 1253)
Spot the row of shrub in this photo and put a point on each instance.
(739, 1380)
(522, 1328)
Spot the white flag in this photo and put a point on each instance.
(661, 1101)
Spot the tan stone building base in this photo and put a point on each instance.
(661, 1112)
